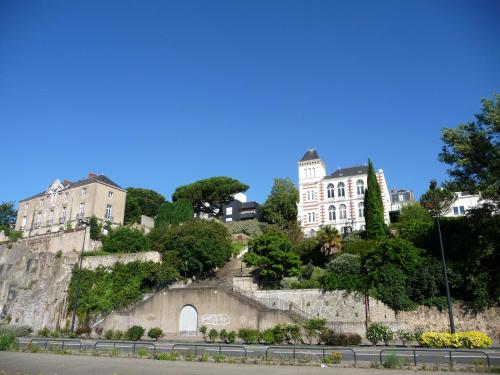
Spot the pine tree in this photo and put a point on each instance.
(374, 208)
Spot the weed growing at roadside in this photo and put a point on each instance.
(171, 356)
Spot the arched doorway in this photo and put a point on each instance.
(188, 321)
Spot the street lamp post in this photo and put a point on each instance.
(75, 305)
(445, 272)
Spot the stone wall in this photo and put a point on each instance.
(215, 307)
(33, 286)
(92, 262)
(346, 312)
(64, 241)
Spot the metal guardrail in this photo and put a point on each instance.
(311, 349)
(133, 344)
(449, 351)
(61, 341)
(220, 346)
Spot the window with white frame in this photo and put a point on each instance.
(23, 223)
(62, 219)
(51, 217)
(360, 187)
(332, 214)
(84, 192)
(110, 194)
(53, 198)
(26, 206)
(229, 219)
(343, 212)
(341, 189)
(361, 209)
(401, 197)
(229, 210)
(330, 191)
(66, 197)
(41, 203)
(81, 209)
(39, 218)
(107, 214)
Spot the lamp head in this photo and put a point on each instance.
(433, 184)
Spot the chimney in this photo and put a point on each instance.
(92, 175)
(66, 182)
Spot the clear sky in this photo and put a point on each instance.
(158, 94)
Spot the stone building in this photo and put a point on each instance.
(66, 203)
(335, 199)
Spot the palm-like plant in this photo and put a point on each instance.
(329, 239)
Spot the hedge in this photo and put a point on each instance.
(468, 340)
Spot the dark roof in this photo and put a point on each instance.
(101, 178)
(310, 154)
(249, 205)
(351, 171)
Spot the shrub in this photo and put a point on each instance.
(6, 340)
(292, 333)
(155, 333)
(313, 328)
(135, 333)
(203, 331)
(172, 356)
(143, 352)
(455, 340)
(204, 357)
(44, 332)
(405, 336)
(248, 335)
(334, 358)
(17, 331)
(219, 358)
(392, 361)
(330, 337)
(213, 335)
(81, 331)
(267, 337)
(379, 332)
(125, 240)
(223, 335)
(231, 337)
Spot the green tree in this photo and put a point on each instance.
(272, 254)
(211, 194)
(95, 229)
(125, 240)
(473, 152)
(174, 213)
(329, 240)
(440, 199)
(414, 223)
(200, 245)
(141, 202)
(374, 208)
(8, 214)
(344, 272)
(280, 206)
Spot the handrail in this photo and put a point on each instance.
(323, 349)
(220, 346)
(62, 341)
(449, 351)
(133, 344)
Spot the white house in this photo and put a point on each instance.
(462, 203)
(335, 199)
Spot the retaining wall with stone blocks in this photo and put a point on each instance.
(64, 241)
(92, 262)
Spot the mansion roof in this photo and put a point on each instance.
(310, 154)
(70, 185)
(349, 172)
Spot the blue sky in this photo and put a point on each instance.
(158, 94)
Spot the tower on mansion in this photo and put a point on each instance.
(66, 203)
(335, 199)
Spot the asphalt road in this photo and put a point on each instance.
(48, 364)
(363, 354)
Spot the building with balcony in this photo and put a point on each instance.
(240, 209)
(336, 199)
(64, 204)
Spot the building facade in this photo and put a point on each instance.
(336, 199)
(401, 198)
(240, 209)
(66, 203)
(462, 203)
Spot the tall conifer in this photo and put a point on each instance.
(374, 208)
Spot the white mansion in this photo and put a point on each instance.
(335, 199)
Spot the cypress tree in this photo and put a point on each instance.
(374, 208)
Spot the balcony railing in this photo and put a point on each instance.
(62, 220)
(79, 216)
